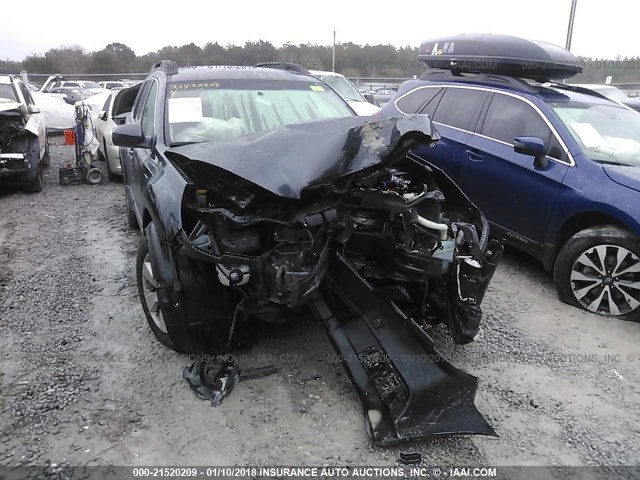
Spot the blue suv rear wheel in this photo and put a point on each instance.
(598, 269)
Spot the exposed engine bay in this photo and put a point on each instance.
(341, 218)
(394, 225)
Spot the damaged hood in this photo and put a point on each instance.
(289, 159)
(10, 111)
(8, 105)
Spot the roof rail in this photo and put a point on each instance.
(435, 74)
(289, 66)
(168, 67)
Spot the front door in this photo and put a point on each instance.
(514, 194)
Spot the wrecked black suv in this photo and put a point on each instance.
(260, 194)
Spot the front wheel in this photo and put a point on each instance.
(110, 173)
(186, 306)
(598, 270)
(148, 291)
(37, 184)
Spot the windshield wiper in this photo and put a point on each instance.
(180, 144)
(607, 161)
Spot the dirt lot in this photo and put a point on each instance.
(82, 380)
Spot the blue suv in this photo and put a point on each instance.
(556, 170)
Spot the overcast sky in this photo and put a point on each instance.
(603, 28)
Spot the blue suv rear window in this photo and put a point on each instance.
(416, 99)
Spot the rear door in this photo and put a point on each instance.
(455, 112)
(516, 196)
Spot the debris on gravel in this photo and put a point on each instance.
(83, 382)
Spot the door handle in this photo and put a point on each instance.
(473, 156)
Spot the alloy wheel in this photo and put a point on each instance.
(150, 289)
(605, 279)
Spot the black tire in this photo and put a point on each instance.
(110, 174)
(37, 183)
(64, 181)
(132, 220)
(46, 158)
(200, 319)
(163, 338)
(589, 246)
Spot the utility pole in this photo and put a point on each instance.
(333, 56)
(572, 17)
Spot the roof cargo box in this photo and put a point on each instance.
(501, 54)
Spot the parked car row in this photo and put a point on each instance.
(118, 84)
(71, 95)
(383, 95)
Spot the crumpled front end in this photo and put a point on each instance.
(379, 244)
(19, 149)
(397, 220)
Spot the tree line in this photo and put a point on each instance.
(351, 60)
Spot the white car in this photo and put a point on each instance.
(57, 81)
(24, 148)
(107, 151)
(117, 84)
(614, 94)
(348, 91)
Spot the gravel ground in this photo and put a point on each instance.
(83, 382)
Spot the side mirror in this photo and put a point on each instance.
(103, 116)
(369, 97)
(34, 109)
(534, 147)
(129, 135)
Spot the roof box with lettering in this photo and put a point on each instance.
(500, 54)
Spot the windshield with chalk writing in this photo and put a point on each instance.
(216, 111)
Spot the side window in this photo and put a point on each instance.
(140, 101)
(432, 105)
(414, 101)
(71, 84)
(105, 107)
(509, 117)
(149, 110)
(555, 150)
(460, 108)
